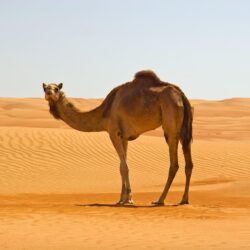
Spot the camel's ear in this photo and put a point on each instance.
(44, 86)
(60, 85)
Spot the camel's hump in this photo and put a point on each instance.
(147, 74)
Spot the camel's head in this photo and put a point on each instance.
(52, 91)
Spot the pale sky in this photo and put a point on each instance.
(93, 46)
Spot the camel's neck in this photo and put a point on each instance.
(91, 121)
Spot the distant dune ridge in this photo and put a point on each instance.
(226, 119)
(47, 171)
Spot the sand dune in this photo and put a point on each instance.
(49, 173)
(38, 160)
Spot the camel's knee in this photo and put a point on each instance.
(189, 168)
(173, 170)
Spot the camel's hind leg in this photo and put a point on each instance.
(121, 148)
(188, 171)
(174, 166)
(172, 119)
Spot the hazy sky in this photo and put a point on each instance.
(92, 46)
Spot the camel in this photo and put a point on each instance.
(143, 104)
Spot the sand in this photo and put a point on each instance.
(58, 186)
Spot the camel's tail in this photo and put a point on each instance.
(187, 125)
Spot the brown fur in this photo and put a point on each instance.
(108, 101)
(186, 131)
(147, 74)
(130, 110)
(54, 111)
(187, 127)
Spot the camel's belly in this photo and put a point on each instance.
(132, 129)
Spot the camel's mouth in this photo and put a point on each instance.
(49, 97)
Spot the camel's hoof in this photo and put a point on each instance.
(120, 202)
(184, 203)
(130, 202)
(158, 203)
(127, 202)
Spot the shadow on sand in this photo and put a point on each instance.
(125, 206)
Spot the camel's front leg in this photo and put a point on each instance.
(123, 191)
(126, 196)
(121, 149)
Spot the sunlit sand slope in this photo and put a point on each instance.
(37, 160)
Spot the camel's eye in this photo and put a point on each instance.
(56, 90)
